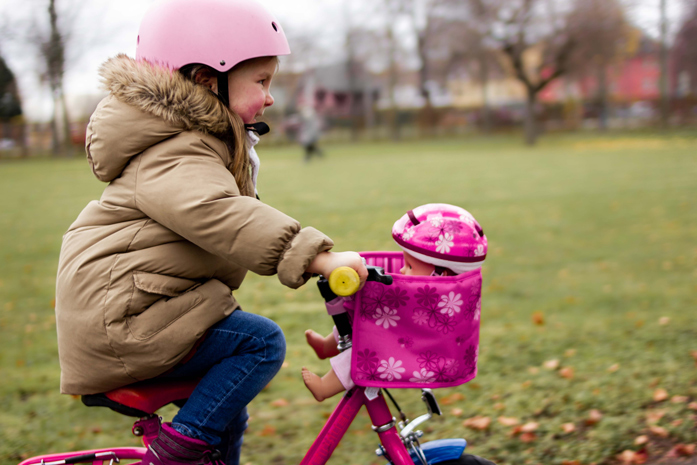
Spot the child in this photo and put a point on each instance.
(437, 240)
(145, 274)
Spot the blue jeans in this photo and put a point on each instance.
(238, 357)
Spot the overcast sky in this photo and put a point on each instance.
(107, 27)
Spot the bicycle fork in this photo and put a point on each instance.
(338, 423)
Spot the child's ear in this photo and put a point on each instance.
(206, 77)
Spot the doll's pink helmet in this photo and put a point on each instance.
(442, 235)
(217, 33)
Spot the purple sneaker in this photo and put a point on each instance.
(173, 448)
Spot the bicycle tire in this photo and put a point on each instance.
(467, 459)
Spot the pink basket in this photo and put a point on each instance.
(418, 332)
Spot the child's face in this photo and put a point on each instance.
(250, 88)
(414, 267)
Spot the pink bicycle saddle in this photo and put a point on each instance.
(144, 398)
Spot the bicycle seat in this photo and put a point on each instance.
(144, 398)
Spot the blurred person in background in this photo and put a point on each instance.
(310, 131)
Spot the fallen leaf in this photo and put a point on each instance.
(664, 320)
(268, 430)
(285, 364)
(640, 440)
(452, 398)
(594, 416)
(639, 323)
(529, 427)
(613, 368)
(653, 416)
(567, 372)
(478, 422)
(528, 437)
(679, 399)
(533, 370)
(659, 395)
(631, 457)
(280, 403)
(694, 354)
(570, 352)
(568, 427)
(526, 384)
(96, 430)
(571, 462)
(677, 422)
(551, 364)
(682, 450)
(499, 406)
(538, 318)
(508, 421)
(659, 431)
(456, 412)
(692, 405)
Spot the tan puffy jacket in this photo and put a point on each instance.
(144, 271)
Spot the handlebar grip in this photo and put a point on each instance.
(344, 281)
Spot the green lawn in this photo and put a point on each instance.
(592, 263)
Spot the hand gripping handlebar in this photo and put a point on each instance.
(344, 281)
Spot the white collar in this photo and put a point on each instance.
(253, 140)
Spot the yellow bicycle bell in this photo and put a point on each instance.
(344, 281)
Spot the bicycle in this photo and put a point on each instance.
(142, 400)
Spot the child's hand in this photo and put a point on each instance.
(326, 262)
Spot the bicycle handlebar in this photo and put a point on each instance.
(344, 281)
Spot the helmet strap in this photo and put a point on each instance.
(412, 217)
(260, 128)
(223, 89)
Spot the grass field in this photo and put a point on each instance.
(589, 316)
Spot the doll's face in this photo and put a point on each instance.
(415, 267)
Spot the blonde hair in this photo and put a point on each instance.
(235, 138)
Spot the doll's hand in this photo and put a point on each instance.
(326, 262)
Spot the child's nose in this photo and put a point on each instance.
(269, 99)
(403, 270)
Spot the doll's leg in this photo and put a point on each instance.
(324, 387)
(324, 346)
(336, 380)
(238, 357)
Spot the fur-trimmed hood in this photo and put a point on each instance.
(146, 105)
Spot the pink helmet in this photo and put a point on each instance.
(217, 33)
(442, 235)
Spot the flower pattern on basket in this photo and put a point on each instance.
(391, 369)
(419, 331)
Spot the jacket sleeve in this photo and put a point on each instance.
(183, 184)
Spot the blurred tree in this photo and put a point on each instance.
(603, 36)
(10, 104)
(535, 37)
(461, 44)
(663, 60)
(52, 45)
(685, 53)
(543, 40)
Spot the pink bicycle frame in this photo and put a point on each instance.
(318, 454)
(339, 421)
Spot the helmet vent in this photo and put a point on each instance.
(138, 41)
(222, 62)
(273, 25)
